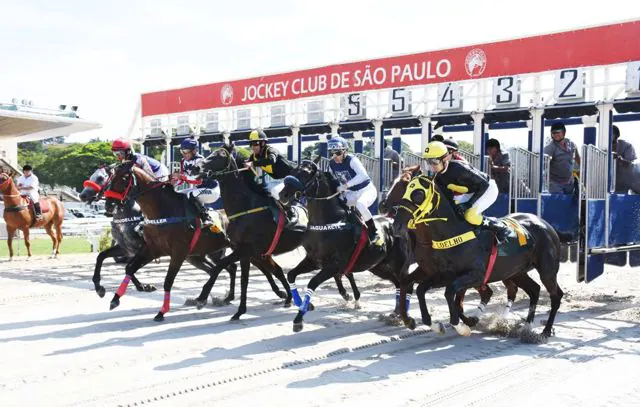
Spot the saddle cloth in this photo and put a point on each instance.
(44, 204)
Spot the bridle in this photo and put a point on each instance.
(98, 188)
(132, 184)
(312, 182)
(230, 168)
(429, 203)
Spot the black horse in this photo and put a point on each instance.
(389, 205)
(461, 253)
(252, 227)
(333, 235)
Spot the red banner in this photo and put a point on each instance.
(588, 47)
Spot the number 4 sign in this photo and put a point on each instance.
(450, 97)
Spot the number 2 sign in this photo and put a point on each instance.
(569, 85)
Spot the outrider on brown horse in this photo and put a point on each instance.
(18, 214)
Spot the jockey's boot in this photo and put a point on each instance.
(499, 228)
(203, 211)
(374, 236)
(37, 211)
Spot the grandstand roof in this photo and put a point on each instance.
(29, 124)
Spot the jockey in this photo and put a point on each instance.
(356, 184)
(28, 185)
(476, 191)
(452, 147)
(121, 148)
(202, 191)
(270, 161)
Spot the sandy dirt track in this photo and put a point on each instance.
(61, 346)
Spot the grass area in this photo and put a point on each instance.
(42, 246)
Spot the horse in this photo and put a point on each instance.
(459, 255)
(393, 198)
(168, 230)
(18, 214)
(252, 228)
(331, 243)
(126, 218)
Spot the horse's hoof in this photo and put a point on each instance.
(200, 304)
(159, 317)
(438, 328)
(462, 329)
(411, 324)
(148, 288)
(346, 296)
(298, 326)
(114, 304)
(190, 302)
(219, 302)
(548, 333)
(282, 295)
(28, 258)
(311, 307)
(473, 321)
(236, 316)
(101, 291)
(287, 304)
(356, 305)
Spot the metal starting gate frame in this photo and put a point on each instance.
(577, 88)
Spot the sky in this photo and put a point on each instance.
(101, 56)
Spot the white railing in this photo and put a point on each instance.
(472, 159)
(411, 159)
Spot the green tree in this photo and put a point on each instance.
(35, 146)
(311, 150)
(466, 146)
(71, 165)
(155, 152)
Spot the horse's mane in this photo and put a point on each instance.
(141, 174)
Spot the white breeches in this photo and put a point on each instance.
(206, 196)
(274, 188)
(32, 194)
(485, 201)
(162, 174)
(362, 200)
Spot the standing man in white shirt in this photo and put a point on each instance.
(28, 185)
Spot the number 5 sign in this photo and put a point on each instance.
(569, 85)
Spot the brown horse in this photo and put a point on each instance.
(18, 214)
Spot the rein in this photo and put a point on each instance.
(314, 181)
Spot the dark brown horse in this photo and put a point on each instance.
(388, 206)
(18, 214)
(457, 255)
(168, 231)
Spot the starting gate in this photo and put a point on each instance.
(411, 159)
(525, 179)
(372, 165)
